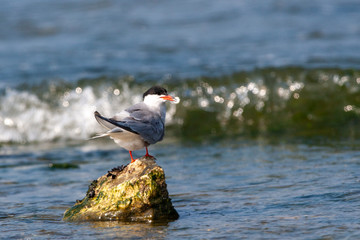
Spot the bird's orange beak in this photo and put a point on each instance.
(168, 97)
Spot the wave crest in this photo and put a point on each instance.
(263, 102)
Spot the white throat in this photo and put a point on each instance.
(156, 104)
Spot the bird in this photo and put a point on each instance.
(140, 125)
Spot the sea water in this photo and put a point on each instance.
(264, 143)
(230, 189)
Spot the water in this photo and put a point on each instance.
(231, 189)
(288, 101)
(157, 39)
(263, 145)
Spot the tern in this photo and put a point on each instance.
(139, 125)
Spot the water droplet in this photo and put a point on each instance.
(116, 92)
(204, 103)
(218, 99)
(238, 112)
(230, 104)
(8, 122)
(78, 90)
(65, 103)
(176, 100)
(348, 108)
(251, 86)
(262, 93)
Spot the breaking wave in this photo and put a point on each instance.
(264, 102)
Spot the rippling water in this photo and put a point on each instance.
(156, 39)
(231, 189)
(263, 145)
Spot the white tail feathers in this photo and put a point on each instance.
(100, 135)
(108, 133)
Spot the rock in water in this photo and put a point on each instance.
(136, 192)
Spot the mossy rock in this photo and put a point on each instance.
(136, 192)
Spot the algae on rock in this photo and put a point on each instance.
(136, 192)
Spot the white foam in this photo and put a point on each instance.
(24, 117)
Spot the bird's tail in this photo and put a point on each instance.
(100, 135)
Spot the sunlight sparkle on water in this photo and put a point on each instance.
(78, 90)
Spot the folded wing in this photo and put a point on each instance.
(140, 121)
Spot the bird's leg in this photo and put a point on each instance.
(132, 159)
(147, 153)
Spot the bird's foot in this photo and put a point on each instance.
(132, 159)
(149, 156)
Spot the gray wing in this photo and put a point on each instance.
(145, 122)
(109, 123)
(140, 121)
(139, 111)
(151, 132)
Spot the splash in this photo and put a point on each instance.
(61, 113)
(263, 102)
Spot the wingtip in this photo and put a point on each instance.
(96, 113)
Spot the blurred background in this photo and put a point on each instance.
(252, 67)
(270, 100)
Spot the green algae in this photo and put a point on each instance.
(55, 166)
(71, 213)
(138, 193)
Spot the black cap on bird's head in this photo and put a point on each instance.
(155, 90)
